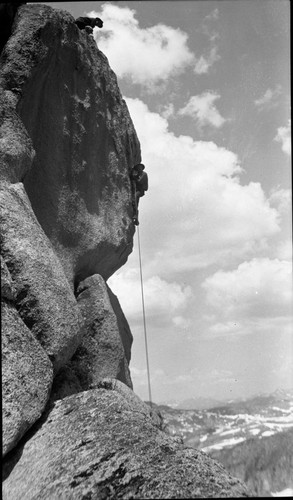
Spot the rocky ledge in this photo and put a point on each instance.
(105, 443)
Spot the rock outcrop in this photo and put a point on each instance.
(105, 347)
(103, 444)
(67, 106)
(67, 146)
(44, 299)
(27, 372)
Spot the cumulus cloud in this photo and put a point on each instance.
(162, 299)
(202, 109)
(281, 199)
(233, 330)
(167, 111)
(257, 288)
(270, 98)
(284, 250)
(181, 322)
(284, 137)
(146, 56)
(214, 15)
(196, 212)
(204, 63)
(140, 378)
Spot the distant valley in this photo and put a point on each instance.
(252, 438)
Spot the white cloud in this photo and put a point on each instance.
(281, 199)
(207, 25)
(214, 15)
(221, 376)
(258, 288)
(140, 378)
(162, 299)
(284, 137)
(284, 250)
(147, 56)
(167, 111)
(181, 322)
(232, 330)
(270, 98)
(196, 212)
(202, 109)
(203, 64)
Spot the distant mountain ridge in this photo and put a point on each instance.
(252, 438)
(204, 403)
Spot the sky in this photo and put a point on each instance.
(207, 84)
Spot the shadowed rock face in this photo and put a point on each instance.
(104, 444)
(84, 141)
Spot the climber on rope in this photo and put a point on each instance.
(140, 184)
(88, 23)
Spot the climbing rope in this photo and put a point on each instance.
(144, 322)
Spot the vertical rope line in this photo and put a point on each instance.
(144, 321)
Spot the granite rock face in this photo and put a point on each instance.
(7, 288)
(27, 376)
(105, 348)
(103, 444)
(26, 371)
(66, 103)
(44, 299)
(67, 145)
(106, 343)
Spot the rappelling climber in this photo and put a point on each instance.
(140, 184)
(88, 23)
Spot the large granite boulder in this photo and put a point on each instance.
(43, 297)
(105, 347)
(67, 145)
(104, 444)
(106, 343)
(61, 96)
(27, 372)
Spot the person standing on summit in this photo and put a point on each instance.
(88, 23)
